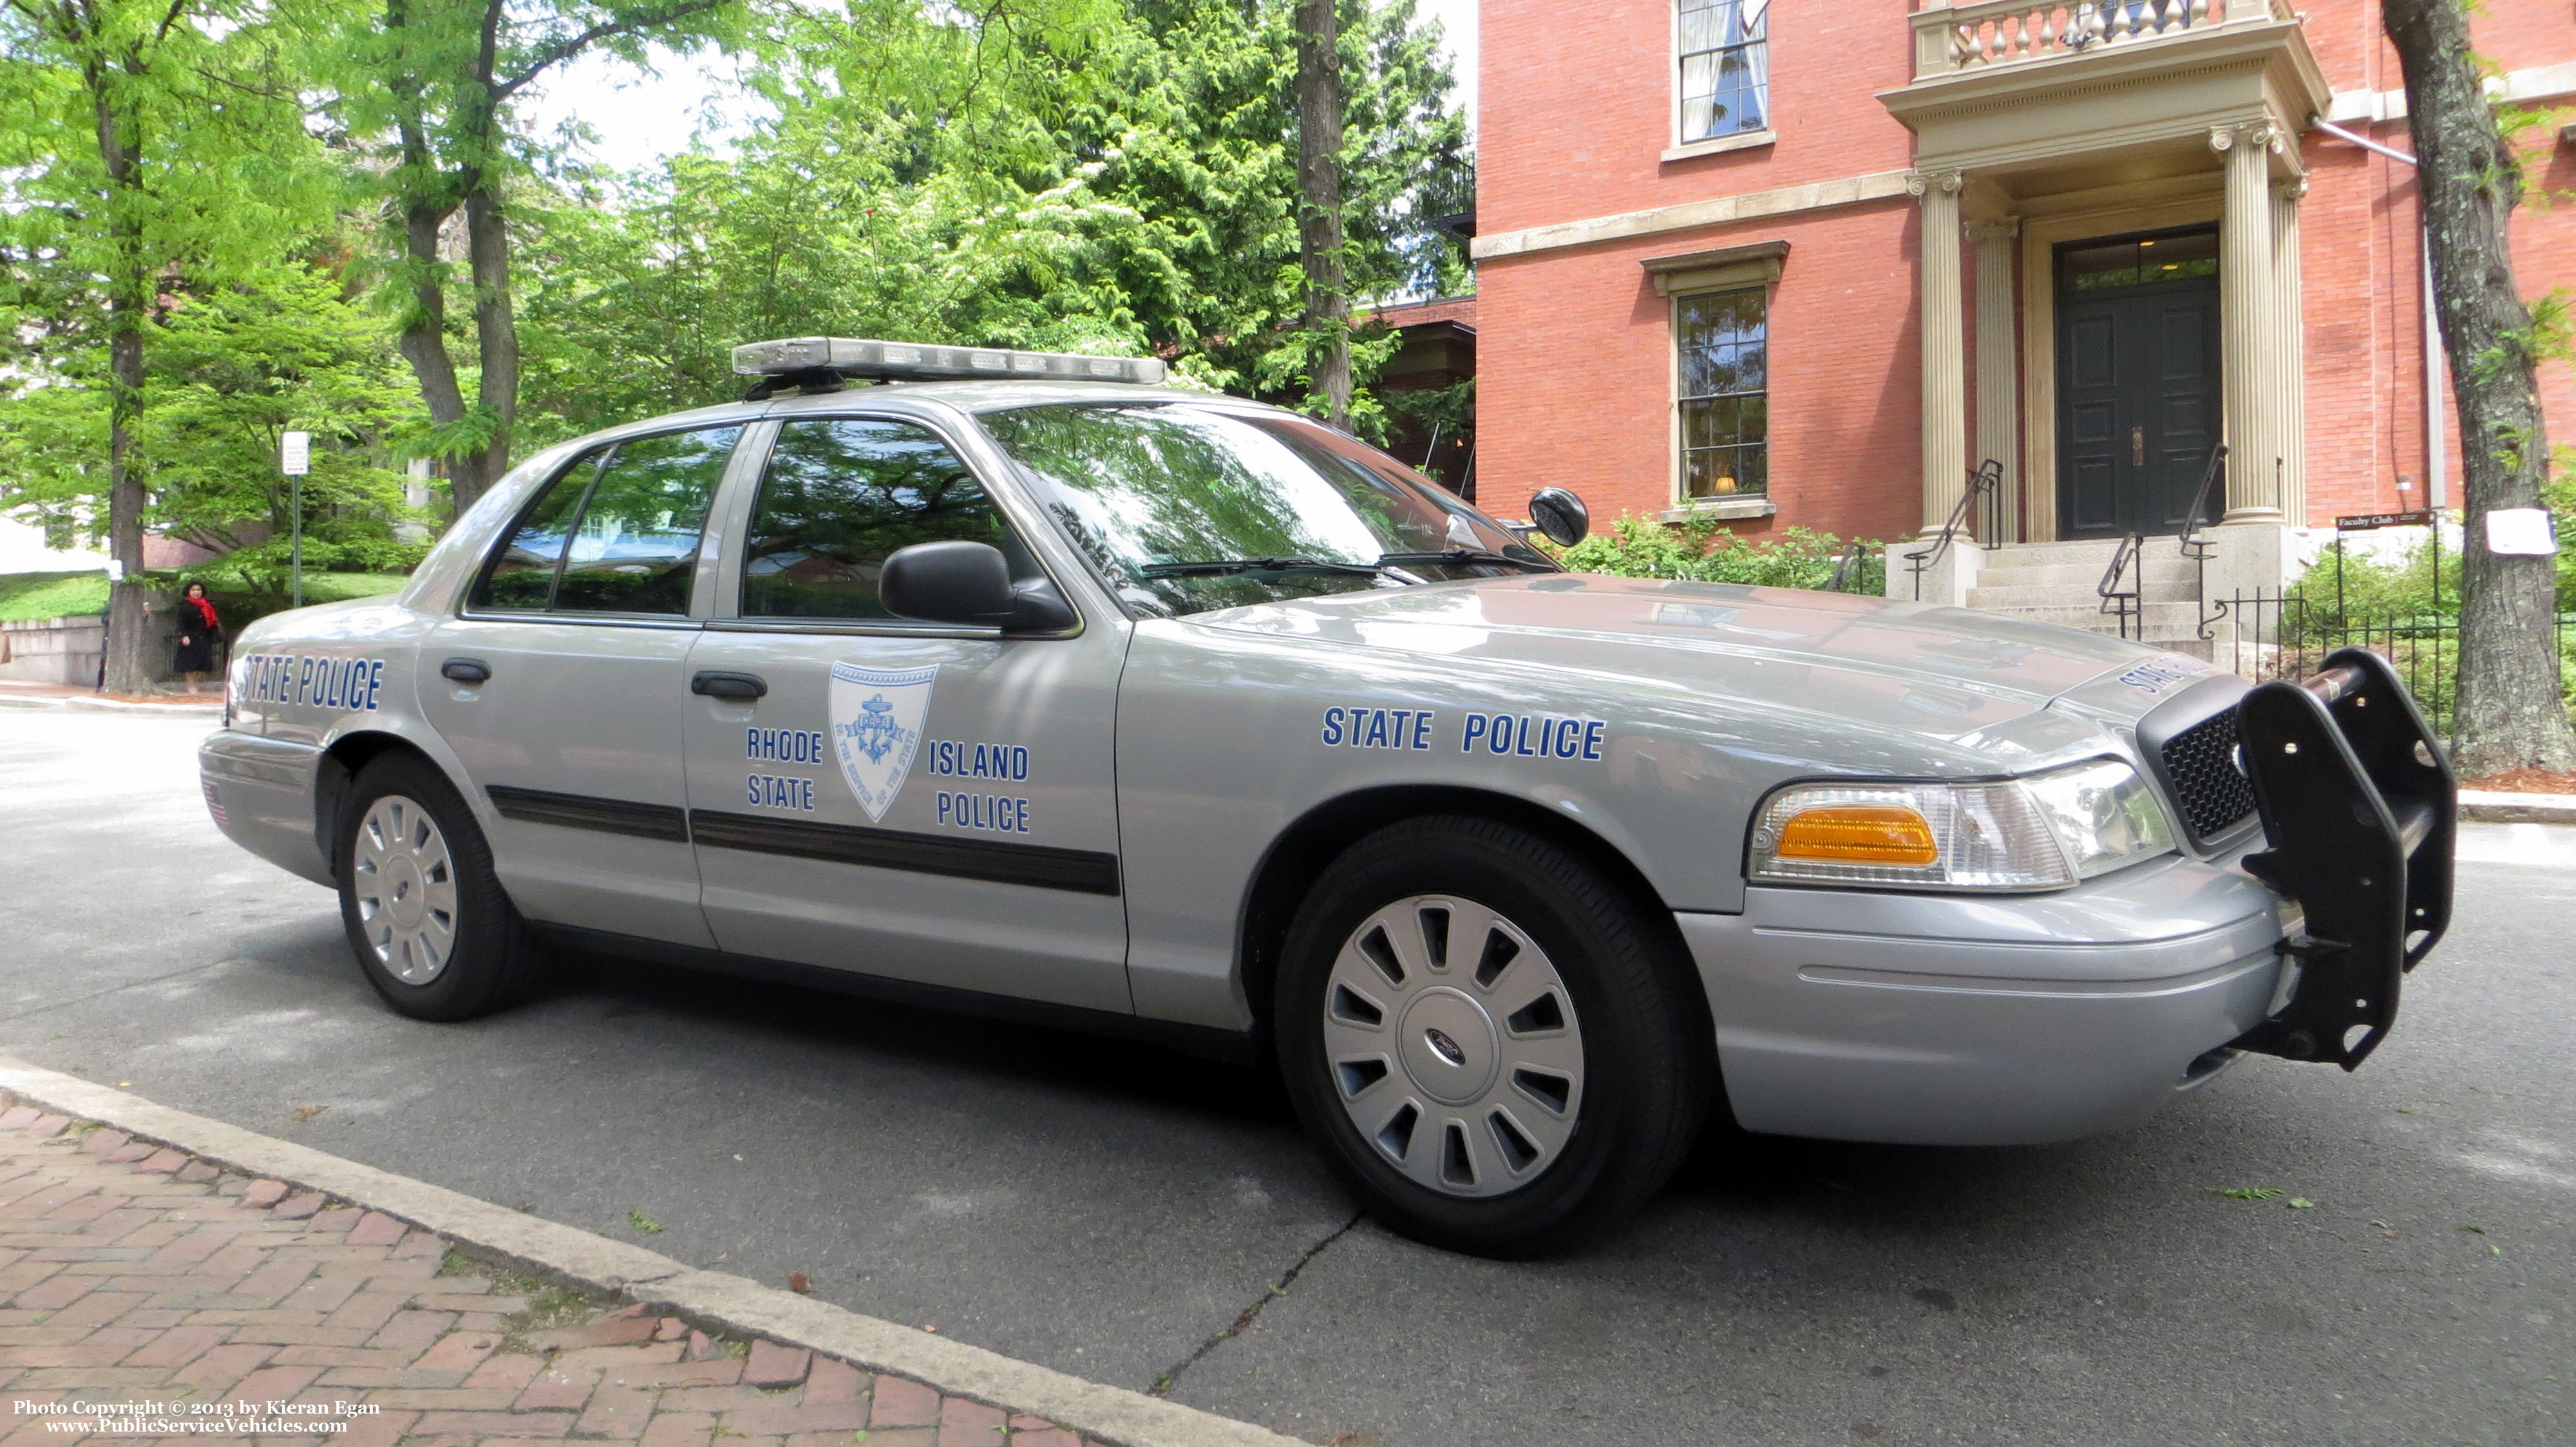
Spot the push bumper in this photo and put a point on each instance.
(2360, 812)
(1963, 1020)
(260, 792)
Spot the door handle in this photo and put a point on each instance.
(465, 670)
(2137, 447)
(741, 686)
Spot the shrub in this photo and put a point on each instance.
(1702, 551)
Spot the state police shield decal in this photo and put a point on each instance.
(876, 725)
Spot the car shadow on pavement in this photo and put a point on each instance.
(634, 992)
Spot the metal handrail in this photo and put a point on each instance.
(1987, 480)
(2196, 548)
(2129, 603)
(1847, 567)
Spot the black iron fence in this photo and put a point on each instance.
(2266, 635)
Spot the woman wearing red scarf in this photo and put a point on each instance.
(199, 630)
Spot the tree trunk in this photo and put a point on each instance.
(129, 296)
(1319, 211)
(2510, 714)
(424, 325)
(496, 335)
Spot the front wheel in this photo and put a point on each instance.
(428, 919)
(1497, 1051)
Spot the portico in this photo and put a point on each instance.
(2048, 136)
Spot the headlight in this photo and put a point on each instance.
(2039, 833)
(2103, 813)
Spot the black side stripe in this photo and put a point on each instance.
(583, 811)
(1082, 871)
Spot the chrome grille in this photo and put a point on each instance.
(2200, 762)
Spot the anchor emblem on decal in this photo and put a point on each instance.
(876, 718)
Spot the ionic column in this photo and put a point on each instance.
(1945, 361)
(2289, 341)
(1998, 378)
(2247, 323)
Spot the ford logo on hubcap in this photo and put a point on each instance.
(1444, 1047)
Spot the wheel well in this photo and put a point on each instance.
(337, 771)
(1300, 855)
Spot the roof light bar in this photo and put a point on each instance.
(856, 358)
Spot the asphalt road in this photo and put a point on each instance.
(1108, 1209)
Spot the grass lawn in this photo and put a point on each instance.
(335, 587)
(26, 597)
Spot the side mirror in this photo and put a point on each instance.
(969, 584)
(1561, 515)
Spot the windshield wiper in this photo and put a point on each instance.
(1271, 565)
(1470, 555)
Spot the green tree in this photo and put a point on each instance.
(1068, 175)
(428, 86)
(236, 368)
(144, 139)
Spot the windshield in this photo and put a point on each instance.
(1186, 508)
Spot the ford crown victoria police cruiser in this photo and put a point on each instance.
(1052, 692)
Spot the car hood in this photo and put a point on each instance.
(1927, 670)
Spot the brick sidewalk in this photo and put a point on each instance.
(133, 1273)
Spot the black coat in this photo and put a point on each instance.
(197, 642)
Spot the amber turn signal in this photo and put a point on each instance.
(1860, 834)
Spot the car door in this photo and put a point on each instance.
(910, 801)
(579, 628)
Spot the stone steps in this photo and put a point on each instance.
(2056, 583)
(2015, 596)
(2167, 571)
(2161, 619)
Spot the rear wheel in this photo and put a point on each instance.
(429, 921)
(1490, 1041)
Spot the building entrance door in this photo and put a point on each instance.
(2137, 382)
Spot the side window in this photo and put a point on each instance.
(840, 496)
(1726, 68)
(617, 532)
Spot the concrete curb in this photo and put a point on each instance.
(2486, 806)
(110, 705)
(1111, 1414)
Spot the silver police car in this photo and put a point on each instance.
(1019, 683)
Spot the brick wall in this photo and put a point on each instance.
(1575, 356)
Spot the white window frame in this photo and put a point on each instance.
(1735, 268)
(1684, 147)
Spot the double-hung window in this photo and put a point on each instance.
(1725, 53)
(1722, 345)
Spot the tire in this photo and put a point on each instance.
(425, 915)
(1551, 1048)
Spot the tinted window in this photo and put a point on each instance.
(844, 493)
(523, 575)
(638, 510)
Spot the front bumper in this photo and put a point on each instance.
(1968, 1020)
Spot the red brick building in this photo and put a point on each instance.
(1785, 263)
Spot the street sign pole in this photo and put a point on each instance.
(295, 458)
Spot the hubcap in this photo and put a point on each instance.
(406, 890)
(1453, 1045)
